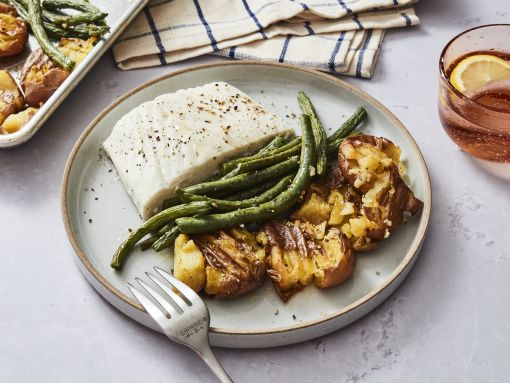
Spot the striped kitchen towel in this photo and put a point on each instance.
(331, 35)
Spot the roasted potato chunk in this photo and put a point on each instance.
(301, 254)
(362, 159)
(314, 208)
(77, 49)
(13, 32)
(235, 262)
(372, 166)
(16, 121)
(40, 78)
(189, 263)
(11, 99)
(224, 264)
(336, 263)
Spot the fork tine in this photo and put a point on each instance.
(179, 286)
(180, 302)
(162, 301)
(150, 307)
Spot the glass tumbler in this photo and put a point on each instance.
(481, 129)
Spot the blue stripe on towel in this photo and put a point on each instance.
(284, 49)
(407, 19)
(331, 63)
(214, 43)
(183, 26)
(155, 33)
(359, 64)
(232, 52)
(309, 28)
(255, 19)
(342, 4)
(305, 7)
(356, 20)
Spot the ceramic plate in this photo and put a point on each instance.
(98, 213)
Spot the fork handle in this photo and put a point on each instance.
(209, 358)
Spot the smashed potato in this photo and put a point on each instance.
(189, 263)
(225, 264)
(13, 32)
(11, 99)
(77, 49)
(315, 208)
(374, 200)
(16, 121)
(40, 78)
(301, 254)
(372, 167)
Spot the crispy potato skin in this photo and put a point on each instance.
(397, 199)
(16, 121)
(13, 32)
(344, 265)
(40, 78)
(346, 165)
(8, 9)
(235, 265)
(11, 99)
(301, 254)
(386, 198)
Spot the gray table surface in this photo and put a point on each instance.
(448, 322)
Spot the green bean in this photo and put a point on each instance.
(79, 31)
(165, 228)
(34, 15)
(267, 210)
(166, 239)
(275, 143)
(232, 164)
(241, 181)
(251, 192)
(346, 129)
(147, 243)
(77, 5)
(263, 162)
(83, 18)
(153, 224)
(57, 16)
(319, 133)
(22, 9)
(232, 173)
(56, 31)
(232, 205)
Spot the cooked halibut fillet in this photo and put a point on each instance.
(179, 139)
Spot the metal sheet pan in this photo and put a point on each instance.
(120, 14)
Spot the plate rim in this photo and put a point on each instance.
(411, 254)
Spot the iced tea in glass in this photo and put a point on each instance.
(476, 116)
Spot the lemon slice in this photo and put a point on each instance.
(474, 72)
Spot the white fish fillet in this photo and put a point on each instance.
(180, 138)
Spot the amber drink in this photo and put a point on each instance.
(474, 92)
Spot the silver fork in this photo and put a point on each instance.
(184, 319)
